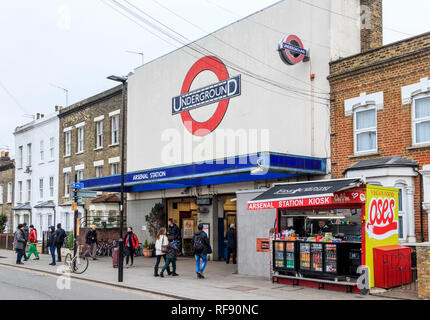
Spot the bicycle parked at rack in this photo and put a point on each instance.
(102, 248)
(76, 263)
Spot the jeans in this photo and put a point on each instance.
(52, 250)
(157, 263)
(19, 254)
(201, 268)
(166, 265)
(33, 249)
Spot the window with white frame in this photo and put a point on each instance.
(67, 141)
(365, 130)
(19, 191)
(28, 190)
(99, 171)
(115, 129)
(421, 120)
(67, 184)
(42, 151)
(41, 188)
(51, 187)
(402, 211)
(52, 148)
(20, 157)
(99, 134)
(40, 222)
(1, 193)
(80, 175)
(29, 155)
(50, 220)
(114, 168)
(67, 219)
(80, 144)
(9, 192)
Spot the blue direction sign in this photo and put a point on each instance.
(78, 185)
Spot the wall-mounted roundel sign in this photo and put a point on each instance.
(220, 93)
(292, 50)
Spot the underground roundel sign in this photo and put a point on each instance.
(292, 50)
(220, 92)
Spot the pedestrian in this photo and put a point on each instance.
(60, 236)
(174, 231)
(171, 255)
(19, 243)
(161, 243)
(91, 241)
(32, 239)
(52, 243)
(201, 248)
(231, 243)
(131, 243)
(27, 234)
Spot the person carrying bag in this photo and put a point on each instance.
(161, 250)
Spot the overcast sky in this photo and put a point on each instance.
(75, 44)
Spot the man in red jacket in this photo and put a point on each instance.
(32, 239)
(131, 243)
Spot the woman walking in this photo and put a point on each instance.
(51, 243)
(161, 243)
(131, 243)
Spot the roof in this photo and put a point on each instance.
(47, 204)
(25, 206)
(106, 198)
(396, 161)
(69, 203)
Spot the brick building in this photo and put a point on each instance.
(7, 177)
(89, 147)
(380, 125)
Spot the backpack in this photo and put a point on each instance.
(199, 247)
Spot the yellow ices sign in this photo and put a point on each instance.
(381, 221)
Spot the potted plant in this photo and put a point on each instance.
(147, 251)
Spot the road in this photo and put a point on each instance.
(16, 283)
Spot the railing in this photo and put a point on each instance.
(400, 271)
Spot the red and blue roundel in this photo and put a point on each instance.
(220, 93)
(292, 50)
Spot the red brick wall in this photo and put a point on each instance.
(386, 69)
(102, 234)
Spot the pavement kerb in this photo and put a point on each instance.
(102, 282)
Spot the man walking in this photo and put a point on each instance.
(32, 239)
(91, 241)
(60, 236)
(201, 248)
(173, 231)
(19, 243)
(231, 244)
(27, 234)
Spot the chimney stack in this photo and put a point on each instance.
(56, 108)
(37, 116)
(371, 24)
(42, 116)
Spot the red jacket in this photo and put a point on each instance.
(33, 236)
(134, 241)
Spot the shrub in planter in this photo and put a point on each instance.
(147, 250)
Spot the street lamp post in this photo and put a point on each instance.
(123, 80)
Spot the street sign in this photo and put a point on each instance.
(87, 194)
(74, 206)
(78, 185)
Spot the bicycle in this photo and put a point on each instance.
(76, 263)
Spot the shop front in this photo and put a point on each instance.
(328, 233)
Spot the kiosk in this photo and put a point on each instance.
(326, 230)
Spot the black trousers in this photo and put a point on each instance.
(129, 252)
(157, 263)
(59, 253)
(229, 252)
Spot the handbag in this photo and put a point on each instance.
(163, 247)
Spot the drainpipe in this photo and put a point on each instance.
(421, 203)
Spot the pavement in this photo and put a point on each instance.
(221, 281)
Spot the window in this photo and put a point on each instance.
(67, 184)
(115, 129)
(49, 220)
(365, 130)
(1, 193)
(28, 190)
(20, 191)
(421, 121)
(80, 140)
(40, 222)
(42, 152)
(51, 186)
(80, 175)
(99, 134)
(67, 140)
(99, 172)
(9, 192)
(114, 168)
(402, 211)
(29, 155)
(41, 188)
(20, 159)
(66, 218)
(51, 147)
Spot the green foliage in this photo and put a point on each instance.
(69, 242)
(3, 221)
(145, 244)
(155, 219)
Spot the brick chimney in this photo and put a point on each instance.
(371, 24)
(56, 108)
(37, 116)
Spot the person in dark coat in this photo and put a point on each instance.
(174, 231)
(52, 243)
(27, 234)
(60, 235)
(231, 244)
(19, 243)
(201, 249)
(91, 241)
(171, 255)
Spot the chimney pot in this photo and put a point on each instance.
(7, 154)
(42, 115)
(56, 108)
(37, 116)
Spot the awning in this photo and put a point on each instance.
(308, 194)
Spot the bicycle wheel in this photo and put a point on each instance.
(68, 260)
(80, 264)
